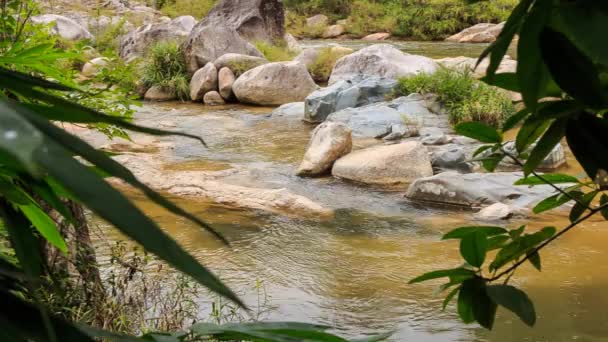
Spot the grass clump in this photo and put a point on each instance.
(465, 98)
(165, 67)
(321, 68)
(277, 52)
(195, 8)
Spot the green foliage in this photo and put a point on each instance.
(165, 67)
(321, 68)
(557, 57)
(107, 41)
(412, 19)
(465, 98)
(277, 52)
(195, 8)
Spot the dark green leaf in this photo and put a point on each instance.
(532, 73)
(603, 202)
(460, 272)
(496, 242)
(514, 300)
(449, 297)
(556, 110)
(466, 297)
(534, 259)
(581, 206)
(545, 145)
(461, 232)
(574, 72)
(586, 137)
(23, 240)
(530, 131)
(482, 149)
(491, 162)
(498, 49)
(514, 119)
(515, 233)
(507, 81)
(484, 308)
(479, 131)
(473, 248)
(553, 178)
(10, 77)
(554, 202)
(44, 225)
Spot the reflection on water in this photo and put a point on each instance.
(352, 271)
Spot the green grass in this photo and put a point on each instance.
(165, 67)
(195, 8)
(465, 98)
(277, 52)
(321, 68)
(410, 19)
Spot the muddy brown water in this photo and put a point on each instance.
(351, 272)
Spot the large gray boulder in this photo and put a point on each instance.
(204, 80)
(356, 92)
(477, 189)
(329, 142)
(377, 120)
(239, 63)
(480, 33)
(382, 60)
(274, 84)
(230, 27)
(385, 165)
(137, 42)
(62, 26)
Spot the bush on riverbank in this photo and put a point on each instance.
(277, 52)
(195, 8)
(465, 98)
(321, 68)
(411, 19)
(165, 67)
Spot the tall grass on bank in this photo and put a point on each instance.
(195, 8)
(165, 67)
(277, 52)
(321, 68)
(465, 98)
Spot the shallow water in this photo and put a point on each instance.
(351, 271)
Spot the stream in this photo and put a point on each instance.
(351, 271)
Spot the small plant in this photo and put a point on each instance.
(195, 8)
(277, 52)
(165, 67)
(321, 68)
(465, 98)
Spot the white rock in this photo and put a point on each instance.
(63, 26)
(494, 212)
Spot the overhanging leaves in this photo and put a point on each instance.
(514, 300)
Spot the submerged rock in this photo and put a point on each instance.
(62, 26)
(274, 84)
(203, 81)
(329, 142)
(385, 165)
(381, 60)
(477, 189)
(289, 110)
(346, 94)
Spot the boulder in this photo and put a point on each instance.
(159, 94)
(213, 98)
(461, 63)
(317, 20)
(433, 136)
(450, 157)
(333, 31)
(289, 110)
(208, 43)
(477, 189)
(292, 43)
(400, 131)
(62, 26)
(239, 63)
(377, 36)
(382, 60)
(92, 67)
(480, 33)
(226, 79)
(554, 159)
(230, 27)
(137, 42)
(204, 80)
(308, 56)
(329, 142)
(494, 212)
(377, 120)
(385, 165)
(356, 92)
(274, 84)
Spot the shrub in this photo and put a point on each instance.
(465, 98)
(277, 52)
(321, 68)
(107, 41)
(195, 8)
(165, 67)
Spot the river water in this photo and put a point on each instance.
(351, 271)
